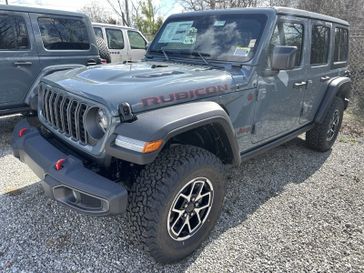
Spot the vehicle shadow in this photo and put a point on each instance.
(61, 235)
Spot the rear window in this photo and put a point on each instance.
(115, 38)
(341, 44)
(13, 33)
(63, 33)
(320, 45)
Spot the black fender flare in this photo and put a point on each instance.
(338, 87)
(167, 122)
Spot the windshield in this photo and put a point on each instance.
(230, 37)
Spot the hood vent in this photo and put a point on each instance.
(158, 75)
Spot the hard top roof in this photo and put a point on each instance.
(266, 10)
(111, 25)
(39, 10)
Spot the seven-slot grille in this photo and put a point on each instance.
(65, 114)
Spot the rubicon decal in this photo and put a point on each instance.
(184, 95)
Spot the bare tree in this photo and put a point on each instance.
(217, 4)
(97, 13)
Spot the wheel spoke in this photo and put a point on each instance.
(200, 197)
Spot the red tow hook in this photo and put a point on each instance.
(59, 164)
(22, 132)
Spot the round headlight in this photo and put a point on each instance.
(102, 120)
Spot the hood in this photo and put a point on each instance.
(144, 85)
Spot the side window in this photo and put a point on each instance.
(63, 33)
(320, 44)
(136, 40)
(115, 38)
(289, 34)
(13, 33)
(98, 32)
(341, 45)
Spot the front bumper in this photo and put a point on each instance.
(74, 185)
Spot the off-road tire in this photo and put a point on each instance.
(103, 49)
(317, 137)
(154, 192)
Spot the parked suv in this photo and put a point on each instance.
(152, 138)
(124, 43)
(34, 43)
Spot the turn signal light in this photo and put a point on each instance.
(59, 164)
(152, 146)
(22, 132)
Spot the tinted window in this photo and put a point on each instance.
(341, 45)
(229, 37)
(289, 34)
(320, 44)
(115, 38)
(98, 32)
(13, 33)
(136, 40)
(63, 34)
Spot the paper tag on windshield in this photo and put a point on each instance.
(219, 23)
(242, 51)
(175, 32)
(252, 43)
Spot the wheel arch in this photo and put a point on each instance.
(202, 124)
(338, 87)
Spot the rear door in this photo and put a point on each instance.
(319, 73)
(116, 44)
(137, 44)
(64, 40)
(19, 65)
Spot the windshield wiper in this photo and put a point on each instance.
(165, 54)
(201, 55)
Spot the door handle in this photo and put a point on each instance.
(23, 63)
(299, 84)
(325, 78)
(91, 62)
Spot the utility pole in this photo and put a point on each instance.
(6, 2)
(127, 11)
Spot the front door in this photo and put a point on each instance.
(137, 45)
(280, 95)
(116, 44)
(19, 65)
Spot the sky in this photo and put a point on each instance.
(165, 7)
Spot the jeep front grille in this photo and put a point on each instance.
(65, 114)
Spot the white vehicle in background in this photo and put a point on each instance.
(124, 43)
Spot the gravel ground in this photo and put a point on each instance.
(289, 210)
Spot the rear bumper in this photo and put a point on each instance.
(74, 185)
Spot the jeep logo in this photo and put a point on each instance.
(184, 95)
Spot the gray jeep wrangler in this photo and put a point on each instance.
(36, 42)
(152, 138)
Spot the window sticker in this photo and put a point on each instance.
(252, 43)
(190, 37)
(176, 32)
(219, 23)
(242, 51)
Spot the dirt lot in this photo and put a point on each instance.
(289, 210)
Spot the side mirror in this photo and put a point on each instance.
(284, 57)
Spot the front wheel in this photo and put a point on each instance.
(323, 136)
(176, 201)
